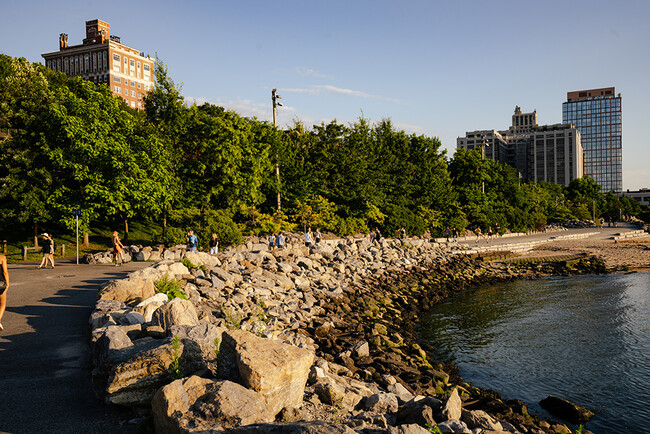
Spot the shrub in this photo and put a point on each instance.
(170, 286)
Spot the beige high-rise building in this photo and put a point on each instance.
(103, 59)
(549, 153)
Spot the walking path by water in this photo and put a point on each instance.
(45, 382)
(45, 376)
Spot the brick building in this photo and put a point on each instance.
(103, 59)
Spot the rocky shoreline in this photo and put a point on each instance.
(316, 339)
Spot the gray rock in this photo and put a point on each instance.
(454, 426)
(453, 407)
(176, 312)
(277, 371)
(135, 382)
(381, 403)
(418, 411)
(402, 392)
(480, 419)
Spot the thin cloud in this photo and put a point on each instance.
(319, 89)
(308, 72)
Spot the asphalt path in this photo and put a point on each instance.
(45, 365)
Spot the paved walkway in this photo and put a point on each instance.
(45, 381)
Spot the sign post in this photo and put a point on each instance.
(77, 212)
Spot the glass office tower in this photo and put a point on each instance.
(596, 113)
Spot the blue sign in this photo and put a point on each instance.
(76, 212)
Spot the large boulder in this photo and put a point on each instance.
(174, 400)
(202, 258)
(480, 419)
(198, 404)
(134, 382)
(277, 371)
(130, 291)
(176, 312)
(147, 307)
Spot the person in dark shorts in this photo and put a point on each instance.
(4, 285)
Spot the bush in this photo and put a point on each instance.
(170, 286)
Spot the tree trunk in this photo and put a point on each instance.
(164, 231)
(126, 230)
(35, 234)
(86, 240)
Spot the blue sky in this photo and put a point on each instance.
(432, 67)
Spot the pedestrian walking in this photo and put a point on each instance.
(279, 240)
(271, 241)
(47, 247)
(191, 241)
(402, 233)
(447, 233)
(478, 234)
(213, 244)
(317, 235)
(4, 285)
(118, 247)
(377, 234)
(308, 238)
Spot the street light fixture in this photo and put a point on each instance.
(275, 97)
(483, 145)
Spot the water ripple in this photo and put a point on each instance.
(585, 338)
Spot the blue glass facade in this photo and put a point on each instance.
(598, 119)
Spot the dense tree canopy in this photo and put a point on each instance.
(75, 145)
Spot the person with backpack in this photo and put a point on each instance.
(192, 242)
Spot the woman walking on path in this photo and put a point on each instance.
(117, 249)
(213, 244)
(308, 238)
(48, 251)
(4, 285)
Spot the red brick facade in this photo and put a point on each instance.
(103, 59)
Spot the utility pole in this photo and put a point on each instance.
(275, 97)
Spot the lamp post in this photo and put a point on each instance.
(483, 145)
(275, 97)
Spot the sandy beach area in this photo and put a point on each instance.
(625, 255)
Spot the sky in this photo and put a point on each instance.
(431, 67)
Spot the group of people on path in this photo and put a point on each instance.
(276, 240)
(47, 247)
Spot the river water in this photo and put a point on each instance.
(583, 338)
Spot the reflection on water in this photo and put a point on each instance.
(584, 338)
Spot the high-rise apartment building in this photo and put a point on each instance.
(549, 153)
(103, 59)
(597, 114)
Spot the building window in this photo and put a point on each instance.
(117, 79)
(132, 83)
(126, 91)
(133, 93)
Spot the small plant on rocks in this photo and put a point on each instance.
(233, 318)
(175, 368)
(170, 286)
